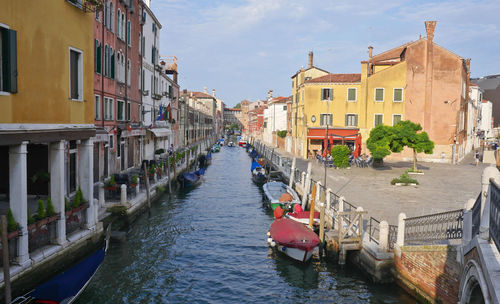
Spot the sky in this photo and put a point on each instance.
(243, 48)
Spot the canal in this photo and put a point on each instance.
(208, 245)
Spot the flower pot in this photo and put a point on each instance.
(13, 234)
(111, 188)
(133, 185)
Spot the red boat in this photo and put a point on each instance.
(293, 239)
(303, 216)
(242, 143)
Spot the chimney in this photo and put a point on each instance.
(429, 27)
(269, 95)
(205, 90)
(310, 60)
(175, 77)
(213, 92)
(370, 51)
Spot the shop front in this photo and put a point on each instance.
(318, 143)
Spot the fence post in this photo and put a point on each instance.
(101, 194)
(123, 194)
(318, 191)
(384, 235)
(307, 186)
(339, 222)
(328, 197)
(484, 228)
(467, 226)
(303, 180)
(401, 230)
(360, 226)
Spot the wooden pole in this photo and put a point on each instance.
(168, 175)
(322, 218)
(311, 208)
(175, 165)
(188, 151)
(147, 186)
(6, 268)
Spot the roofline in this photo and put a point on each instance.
(309, 69)
(151, 13)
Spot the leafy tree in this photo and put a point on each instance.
(237, 106)
(234, 126)
(281, 133)
(340, 156)
(379, 142)
(406, 134)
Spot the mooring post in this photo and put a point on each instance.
(101, 194)
(123, 194)
(401, 230)
(292, 172)
(187, 159)
(307, 185)
(311, 208)
(5, 257)
(168, 176)
(328, 197)
(147, 187)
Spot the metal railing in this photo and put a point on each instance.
(495, 213)
(476, 216)
(434, 228)
(374, 230)
(393, 236)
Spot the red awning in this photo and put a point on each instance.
(336, 134)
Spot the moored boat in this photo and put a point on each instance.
(293, 239)
(303, 216)
(190, 179)
(258, 173)
(279, 194)
(216, 148)
(230, 144)
(242, 143)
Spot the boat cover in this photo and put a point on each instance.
(209, 156)
(255, 165)
(303, 215)
(201, 171)
(69, 283)
(290, 233)
(191, 177)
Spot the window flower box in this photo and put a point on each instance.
(70, 212)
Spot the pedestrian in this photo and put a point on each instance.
(476, 158)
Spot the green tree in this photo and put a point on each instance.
(237, 106)
(406, 133)
(340, 156)
(379, 142)
(234, 126)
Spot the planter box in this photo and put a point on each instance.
(75, 210)
(403, 184)
(416, 173)
(111, 188)
(13, 234)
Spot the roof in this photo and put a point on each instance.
(313, 67)
(280, 99)
(488, 83)
(233, 109)
(200, 95)
(335, 78)
(391, 55)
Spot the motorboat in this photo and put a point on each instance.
(293, 239)
(277, 193)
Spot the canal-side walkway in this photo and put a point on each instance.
(442, 187)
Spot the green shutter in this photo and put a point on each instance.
(351, 94)
(9, 43)
(330, 96)
(113, 66)
(347, 120)
(99, 58)
(356, 119)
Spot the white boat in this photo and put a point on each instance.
(274, 197)
(230, 144)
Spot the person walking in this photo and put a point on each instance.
(476, 158)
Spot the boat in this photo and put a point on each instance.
(293, 239)
(279, 194)
(216, 148)
(303, 216)
(67, 286)
(242, 143)
(221, 141)
(190, 179)
(208, 158)
(258, 173)
(230, 144)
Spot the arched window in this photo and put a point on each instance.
(111, 16)
(128, 71)
(123, 26)
(118, 23)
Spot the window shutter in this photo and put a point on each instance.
(10, 44)
(321, 119)
(99, 58)
(322, 94)
(113, 65)
(347, 120)
(356, 119)
(330, 96)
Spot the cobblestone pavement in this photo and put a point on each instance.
(443, 187)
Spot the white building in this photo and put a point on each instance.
(275, 118)
(474, 102)
(154, 86)
(485, 121)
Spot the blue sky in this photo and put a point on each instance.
(243, 48)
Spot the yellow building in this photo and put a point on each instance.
(351, 105)
(46, 110)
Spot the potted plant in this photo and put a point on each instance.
(12, 226)
(50, 212)
(134, 180)
(110, 184)
(41, 216)
(78, 203)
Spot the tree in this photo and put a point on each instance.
(234, 126)
(237, 106)
(379, 142)
(406, 134)
(340, 156)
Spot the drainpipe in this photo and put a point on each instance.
(102, 72)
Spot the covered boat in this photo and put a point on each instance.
(293, 239)
(258, 173)
(279, 194)
(216, 148)
(303, 216)
(208, 158)
(189, 179)
(242, 143)
(230, 144)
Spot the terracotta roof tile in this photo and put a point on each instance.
(332, 78)
(200, 95)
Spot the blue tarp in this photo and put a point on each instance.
(68, 284)
(255, 165)
(209, 156)
(200, 172)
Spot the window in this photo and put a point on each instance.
(351, 120)
(153, 55)
(108, 108)
(397, 95)
(111, 142)
(75, 74)
(8, 60)
(120, 110)
(128, 72)
(97, 56)
(396, 118)
(143, 47)
(352, 94)
(118, 24)
(127, 116)
(284, 108)
(129, 42)
(325, 119)
(379, 94)
(378, 120)
(122, 26)
(112, 64)
(97, 107)
(111, 16)
(326, 94)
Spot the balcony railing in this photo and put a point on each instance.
(88, 6)
(495, 214)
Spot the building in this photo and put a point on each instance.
(232, 116)
(418, 81)
(202, 112)
(244, 115)
(47, 121)
(117, 98)
(275, 118)
(491, 88)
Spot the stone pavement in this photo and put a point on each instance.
(443, 187)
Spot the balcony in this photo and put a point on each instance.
(88, 6)
(156, 96)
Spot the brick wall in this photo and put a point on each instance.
(431, 272)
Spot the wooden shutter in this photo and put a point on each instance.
(347, 120)
(113, 65)
(356, 119)
(10, 64)
(322, 94)
(330, 94)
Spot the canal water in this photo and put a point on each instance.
(208, 245)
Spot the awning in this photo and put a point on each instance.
(335, 134)
(160, 132)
